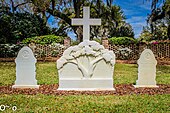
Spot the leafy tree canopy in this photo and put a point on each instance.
(159, 20)
(64, 10)
(14, 27)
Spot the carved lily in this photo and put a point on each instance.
(88, 50)
(76, 48)
(61, 62)
(83, 44)
(97, 54)
(112, 62)
(107, 57)
(68, 51)
(77, 54)
(96, 48)
(105, 51)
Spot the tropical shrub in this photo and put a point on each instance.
(46, 39)
(74, 42)
(97, 40)
(9, 50)
(122, 40)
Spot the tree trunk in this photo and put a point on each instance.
(44, 18)
(168, 33)
(78, 29)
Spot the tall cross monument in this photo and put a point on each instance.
(86, 22)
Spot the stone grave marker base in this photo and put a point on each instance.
(86, 84)
(25, 86)
(147, 86)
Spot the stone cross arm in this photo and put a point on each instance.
(86, 22)
(77, 21)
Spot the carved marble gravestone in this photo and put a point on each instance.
(25, 69)
(146, 70)
(87, 66)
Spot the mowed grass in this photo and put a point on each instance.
(87, 103)
(46, 73)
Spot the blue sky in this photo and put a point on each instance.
(135, 11)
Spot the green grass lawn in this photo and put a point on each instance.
(47, 74)
(87, 103)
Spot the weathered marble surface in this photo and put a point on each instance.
(146, 70)
(87, 66)
(25, 69)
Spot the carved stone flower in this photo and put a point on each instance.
(107, 57)
(61, 62)
(88, 50)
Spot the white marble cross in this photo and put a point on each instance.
(86, 22)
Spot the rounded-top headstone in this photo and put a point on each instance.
(25, 69)
(25, 54)
(146, 70)
(147, 57)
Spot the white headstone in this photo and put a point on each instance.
(146, 70)
(25, 69)
(87, 66)
(86, 22)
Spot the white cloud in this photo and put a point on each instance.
(130, 12)
(137, 22)
(134, 19)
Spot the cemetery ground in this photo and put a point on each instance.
(48, 99)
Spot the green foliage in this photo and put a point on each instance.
(98, 40)
(114, 24)
(122, 40)
(14, 27)
(160, 34)
(74, 43)
(145, 36)
(9, 50)
(159, 20)
(46, 39)
(77, 42)
(28, 25)
(122, 30)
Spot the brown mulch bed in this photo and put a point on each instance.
(121, 89)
